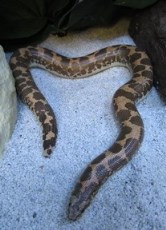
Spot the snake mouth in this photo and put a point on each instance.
(73, 213)
(80, 200)
(76, 208)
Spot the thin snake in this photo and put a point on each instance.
(131, 124)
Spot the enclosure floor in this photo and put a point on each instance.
(35, 191)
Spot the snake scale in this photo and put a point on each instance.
(131, 125)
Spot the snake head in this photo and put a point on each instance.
(80, 199)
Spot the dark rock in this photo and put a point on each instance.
(148, 29)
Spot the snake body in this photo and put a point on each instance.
(131, 125)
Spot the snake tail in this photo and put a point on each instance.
(28, 92)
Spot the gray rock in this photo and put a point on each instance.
(8, 101)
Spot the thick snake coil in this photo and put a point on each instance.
(131, 132)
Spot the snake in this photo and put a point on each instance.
(124, 103)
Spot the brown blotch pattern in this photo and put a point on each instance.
(87, 174)
(130, 106)
(139, 68)
(123, 115)
(122, 135)
(116, 148)
(145, 61)
(98, 159)
(136, 120)
(123, 93)
(134, 57)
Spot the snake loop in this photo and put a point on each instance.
(131, 125)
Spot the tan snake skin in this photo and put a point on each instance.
(131, 132)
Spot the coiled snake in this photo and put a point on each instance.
(131, 132)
